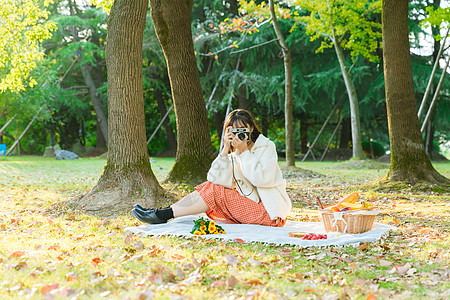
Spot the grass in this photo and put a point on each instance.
(48, 251)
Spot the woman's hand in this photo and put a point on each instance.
(240, 145)
(227, 139)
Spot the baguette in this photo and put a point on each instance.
(297, 234)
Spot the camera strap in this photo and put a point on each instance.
(237, 183)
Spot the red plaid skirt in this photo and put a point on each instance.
(229, 206)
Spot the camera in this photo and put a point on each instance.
(241, 133)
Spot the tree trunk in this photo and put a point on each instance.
(172, 22)
(167, 126)
(101, 143)
(127, 175)
(409, 162)
(353, 99)
(101, 117)
(288, 105)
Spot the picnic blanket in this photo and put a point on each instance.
(249, 233)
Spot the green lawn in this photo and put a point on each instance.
(47, 250)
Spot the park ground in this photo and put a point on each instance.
(49, 251)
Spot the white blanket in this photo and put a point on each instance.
(264, 234)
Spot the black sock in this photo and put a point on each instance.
(165, 213)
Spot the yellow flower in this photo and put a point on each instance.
(202, 232)
(212, 223)
(202, 223)
(211, 228)
(203, 228)
(197, 232)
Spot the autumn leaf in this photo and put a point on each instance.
(96, 261)
(239, 240)
(401, 269)
(232, 281)
(177, 256)
(128, 239)
(371, 297)
(254, 282)
(385, 263)
(364, 246)
(71, 277)
(218, 283)
(48, 287)
(231, 260)
(18, 253)
(21, 265)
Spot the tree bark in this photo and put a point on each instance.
(101, 143)
(409, 162)
(353, 99)
(288, 105)
(172, 22)
(101, 117)
(127, 175)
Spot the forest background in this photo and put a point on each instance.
(240, 66)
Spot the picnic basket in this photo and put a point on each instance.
(349, 221)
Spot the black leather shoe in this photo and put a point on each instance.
(141, 211)
(141, 207)
(149, 217)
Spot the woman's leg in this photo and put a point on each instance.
(191, 204)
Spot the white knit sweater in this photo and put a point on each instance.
(257, 174)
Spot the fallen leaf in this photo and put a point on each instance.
(231, 259)
(232, 281)
(128, 239)
(385, 263)
(49, 287)
(147, 295)
(179, 273)
(254, 282)
(71, 277)
(177, 256)
(18, 253)
(218, 283)
(364, 246)
(239, 241)
(96, 261)
(138, 245)
(400, 269)
(21, 265)
(371, 297)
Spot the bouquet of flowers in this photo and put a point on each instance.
(204, 226)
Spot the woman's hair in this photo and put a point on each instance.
(244, 117)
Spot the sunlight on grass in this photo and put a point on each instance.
(48, 250)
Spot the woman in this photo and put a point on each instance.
(245, 184)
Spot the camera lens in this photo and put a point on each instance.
(241, 136)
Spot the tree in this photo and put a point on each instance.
(127, 173)
(409, 162)
(24, 27)
(344, 24)
(288, 105)
(172, 22)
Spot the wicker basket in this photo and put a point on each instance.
(357, 222)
